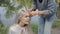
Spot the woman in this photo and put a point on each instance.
(47, 14)
(22, 24)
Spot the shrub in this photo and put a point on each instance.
(34, 27)
(56, 24)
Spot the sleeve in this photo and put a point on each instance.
(51, 8)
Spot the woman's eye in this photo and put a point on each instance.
(27, 16)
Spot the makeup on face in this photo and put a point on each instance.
(25, 19)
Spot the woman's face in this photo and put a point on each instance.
(25, 18)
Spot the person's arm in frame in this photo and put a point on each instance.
(33, 8)
(51, 8)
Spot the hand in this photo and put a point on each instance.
(41, 12)
(33, 13)
(31, 9)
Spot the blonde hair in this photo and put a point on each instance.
(18, 15)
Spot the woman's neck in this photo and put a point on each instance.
(21, 24)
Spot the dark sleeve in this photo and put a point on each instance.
(51, 8)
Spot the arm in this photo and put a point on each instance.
(51, 8)
(34, 7)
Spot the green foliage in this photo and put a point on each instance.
(24, 3)
(10, 8)
(58, 14)
(58, 11)
(1, 23)
(3, 30)
(58, 1)
(56, 24)
(34, 27)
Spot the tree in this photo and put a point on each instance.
(58, 9)
(10, 8)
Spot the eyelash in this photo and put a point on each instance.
(27, 16)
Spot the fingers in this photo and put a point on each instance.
(31, 9)
(33, 13)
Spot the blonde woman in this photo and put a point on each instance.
(22, 24)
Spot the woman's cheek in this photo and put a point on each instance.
(24, 19)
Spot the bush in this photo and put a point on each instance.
(56, 24)
(34, 27)
(3, 30)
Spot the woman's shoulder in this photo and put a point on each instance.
(13, 27)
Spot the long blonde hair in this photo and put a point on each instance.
(18, 14)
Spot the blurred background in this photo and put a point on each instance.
(8, 9)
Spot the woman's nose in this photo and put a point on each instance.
(28, 18)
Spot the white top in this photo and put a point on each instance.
(16, 29)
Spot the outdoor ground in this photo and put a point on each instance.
(56, 30)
